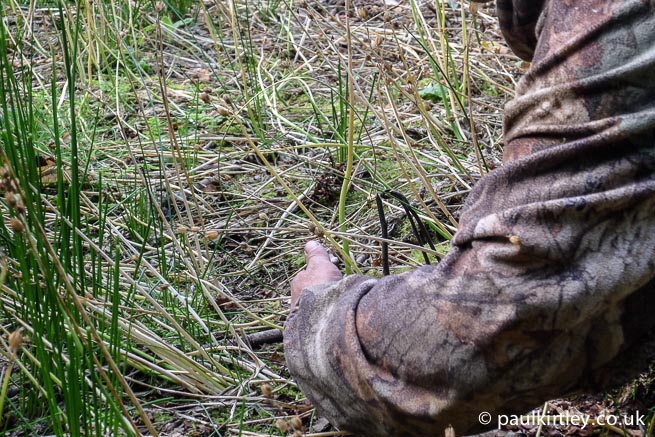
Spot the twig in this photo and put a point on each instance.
(265, 337)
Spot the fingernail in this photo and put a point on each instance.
(312, 245)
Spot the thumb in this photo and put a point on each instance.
(319, 267)
(319, 270)
(316, 255)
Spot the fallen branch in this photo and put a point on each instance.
(264, 337)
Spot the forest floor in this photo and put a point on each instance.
(213, 141)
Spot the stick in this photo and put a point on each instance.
(265, 337)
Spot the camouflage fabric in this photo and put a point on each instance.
(550, 282)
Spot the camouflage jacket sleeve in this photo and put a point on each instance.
(552, 260)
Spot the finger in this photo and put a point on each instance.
(297, 286)
(316, 255)
(319, 270)
(319, 265)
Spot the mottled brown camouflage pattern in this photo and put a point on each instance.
(499, 325)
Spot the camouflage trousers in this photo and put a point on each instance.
(549, 287)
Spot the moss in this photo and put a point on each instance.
(374, 273)
(298, 261)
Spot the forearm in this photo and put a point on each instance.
(492, 328)
(529, 303)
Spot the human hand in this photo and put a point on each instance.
(319, 270)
